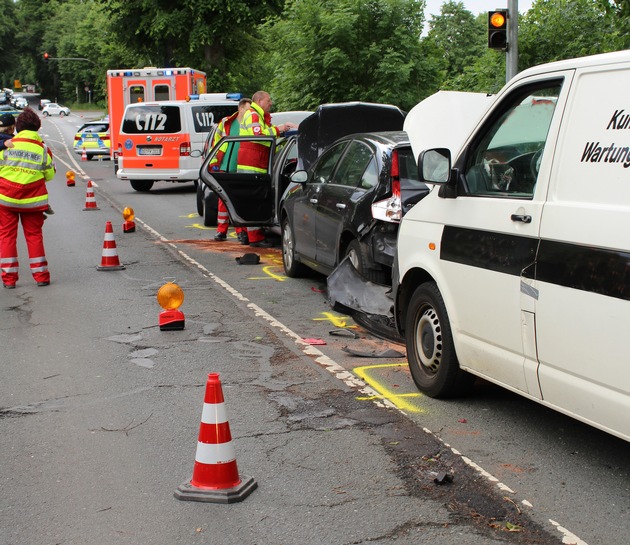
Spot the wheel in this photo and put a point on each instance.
(45, 114)
(430, 349)
(62, 114)
(210, 210)
(90, 157)
(292, 267)
(142, 185)
(363, 265)
(200, 199)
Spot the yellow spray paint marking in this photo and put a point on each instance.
(384, 393)
(270, 274)
(199, 226)
(189, 216)
(337, 321)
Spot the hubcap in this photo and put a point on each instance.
(287, 246)
(429, 340)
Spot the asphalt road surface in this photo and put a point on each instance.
(100, 410)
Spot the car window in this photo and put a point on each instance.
(353, 165)
(326, 163)
(94, 128)
(151, 119)
(408, 170)
(506, 158)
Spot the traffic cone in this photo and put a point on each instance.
(90, 200)
(84, 155)
(109, 260)
(215, 475)
(70, 179)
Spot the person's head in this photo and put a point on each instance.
(243, 106)
(7, 123)
(28, 120)
(263, 99)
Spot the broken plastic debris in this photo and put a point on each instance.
(344, 333)
(443, 478)
(248, 259)
(314, 341)
(389, 353)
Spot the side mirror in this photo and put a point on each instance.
(299, 176)
(434, 166)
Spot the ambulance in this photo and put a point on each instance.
(164, 141)
(135, 85)
(516, 267)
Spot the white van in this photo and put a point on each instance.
(164, 140)
(516, 267)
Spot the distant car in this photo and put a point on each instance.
(20, 103)
(6, 109)
(43, 103)
(93, 137)
(52, 108)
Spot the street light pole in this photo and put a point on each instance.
(511, 55)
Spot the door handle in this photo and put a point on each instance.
(313, 201)
(341, 206)
(522, 218)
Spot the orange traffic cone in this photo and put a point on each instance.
(215, 475)
(90, 200)
(84, 155)
(109, 260)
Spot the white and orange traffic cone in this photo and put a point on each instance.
(84, 155)
(90, 200)
(109, 259)
(215, 475)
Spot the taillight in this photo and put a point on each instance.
(184, 149)
(77, 137)
(119, 153)
(390, 209)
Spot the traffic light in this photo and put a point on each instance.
(497, 29)
(45, 57)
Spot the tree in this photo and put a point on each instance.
(343, 50)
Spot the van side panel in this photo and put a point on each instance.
(583, 271)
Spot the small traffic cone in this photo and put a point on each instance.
(84, 155)
(109, 260)
(90, 200)
(70, 179)
(215, 475)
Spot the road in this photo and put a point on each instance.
(100, 410)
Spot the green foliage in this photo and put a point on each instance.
(336, 51)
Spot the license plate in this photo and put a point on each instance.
(90, 139)
(153, 150)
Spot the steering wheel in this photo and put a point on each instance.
(534, 164)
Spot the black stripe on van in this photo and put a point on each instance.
(586, 268)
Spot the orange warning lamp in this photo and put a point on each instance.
(129, 226)
(70, 182)
(170, 297)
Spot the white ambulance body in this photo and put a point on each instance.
(164, 141)
(516, 267)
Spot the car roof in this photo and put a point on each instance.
(390, 139)
(330, 122)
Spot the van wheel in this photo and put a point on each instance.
(210, 210)
(430, 349)
(141, 185)
(199, 199)
(363, 265)
(292, 267)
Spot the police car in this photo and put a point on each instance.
(93, 137)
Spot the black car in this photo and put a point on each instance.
(330, 196)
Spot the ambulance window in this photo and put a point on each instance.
(205, 117)
(505, 158)
(151, 119)
(161, 92)
(136, 94)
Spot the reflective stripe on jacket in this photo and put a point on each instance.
(24, 171)
(254, 156)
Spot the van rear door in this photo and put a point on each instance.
(152, 137)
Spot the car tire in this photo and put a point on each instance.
(62, 114)
(199, 199)
(210, 209)
(45, 114)
(430, 349)
(292, 267)
(364, 266)
(142, 185)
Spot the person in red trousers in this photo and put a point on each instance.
(24, 170)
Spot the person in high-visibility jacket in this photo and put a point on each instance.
(228, 126)
(253, 157)
(24, 170)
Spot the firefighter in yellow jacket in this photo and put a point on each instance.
(24, 170)
(253, 157)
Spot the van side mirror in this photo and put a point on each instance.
(299, 176)
(434, 166)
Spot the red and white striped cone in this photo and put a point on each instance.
(215, 475)
(84, 155)
(109, 259)
(90, 200)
